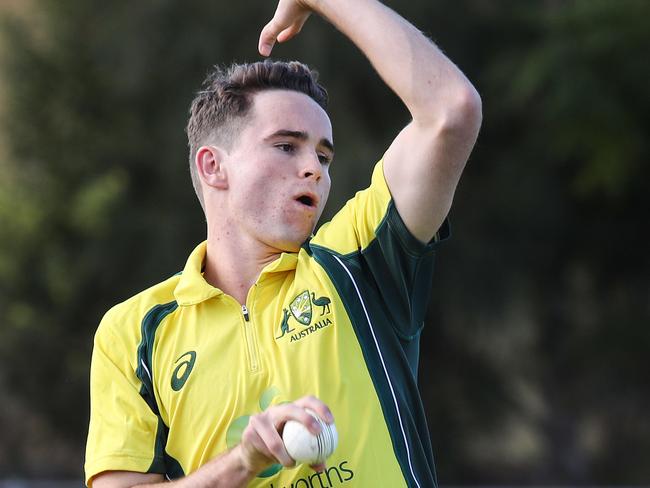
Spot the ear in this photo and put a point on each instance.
(209, 164)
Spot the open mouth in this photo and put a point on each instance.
(306, 200)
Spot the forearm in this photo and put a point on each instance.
(225, 471)
(429, 84)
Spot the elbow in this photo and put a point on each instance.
(464, 113)
(473, 105)
(458, 114)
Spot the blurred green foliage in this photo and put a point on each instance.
(534, 364)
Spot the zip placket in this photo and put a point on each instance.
(251, 343)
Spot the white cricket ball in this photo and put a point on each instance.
(305, 447)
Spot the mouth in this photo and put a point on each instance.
(307, 199)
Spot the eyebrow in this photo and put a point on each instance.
(300, 135)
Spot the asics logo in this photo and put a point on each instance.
(183, 370)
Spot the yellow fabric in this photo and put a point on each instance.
(354, 226)
(298, 341)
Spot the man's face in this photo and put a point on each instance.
(278, 169)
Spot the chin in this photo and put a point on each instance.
(291, 238)
(293, 243)
(291, 248)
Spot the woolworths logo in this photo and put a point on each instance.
(333, 476)
(302, 310)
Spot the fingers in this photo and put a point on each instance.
(291, 31)
(266, 439)
(319, 468)
(254, 448)
(317, 406)
(268, 37)
(262, 443)
(287, 21)
(274, 31)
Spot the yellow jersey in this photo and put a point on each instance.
(178, 369)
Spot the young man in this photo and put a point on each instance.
(194, 379)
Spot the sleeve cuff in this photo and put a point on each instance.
(411, 243)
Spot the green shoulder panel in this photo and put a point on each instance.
(162, 462)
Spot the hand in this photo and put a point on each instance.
(261, 443)
(290, 16)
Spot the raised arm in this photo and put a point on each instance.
(424, 163)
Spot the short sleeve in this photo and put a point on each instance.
(370, 231)
(123, 428)
(356, 225)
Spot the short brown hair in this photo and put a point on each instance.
(226, 97)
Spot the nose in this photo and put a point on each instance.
(311, 167)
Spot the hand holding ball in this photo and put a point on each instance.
(305, 447)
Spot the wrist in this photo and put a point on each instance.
(226, 471)
(242, 463)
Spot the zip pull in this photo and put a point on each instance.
(244, 310)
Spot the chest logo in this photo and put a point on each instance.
(182, 372)
(301, 309)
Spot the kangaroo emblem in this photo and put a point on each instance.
(322, 302)
(284, 327)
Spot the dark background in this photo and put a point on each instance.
(534, 361)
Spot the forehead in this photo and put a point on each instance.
(286, 109)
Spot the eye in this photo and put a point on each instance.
(285, 147)
(324, 159)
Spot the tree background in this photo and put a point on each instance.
(534, 361)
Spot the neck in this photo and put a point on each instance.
(234, 263)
